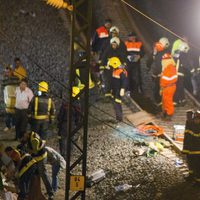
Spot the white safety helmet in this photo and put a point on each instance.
(184, 47)
(114, 29)
(164, 41)
(115, 40)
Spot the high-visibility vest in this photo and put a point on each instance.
(133, 46)
(102, 32)
(42, 108)
(37, 147)
(81, 85)
(26, 163)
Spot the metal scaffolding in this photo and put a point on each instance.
(76, 165)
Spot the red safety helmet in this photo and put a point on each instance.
(167, 56)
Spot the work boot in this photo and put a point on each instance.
(168, 118)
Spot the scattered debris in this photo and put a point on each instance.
(123, 188)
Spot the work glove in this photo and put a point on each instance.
(122, 92)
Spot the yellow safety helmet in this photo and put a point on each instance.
(43, 86)
(114, 62)
(75, 91)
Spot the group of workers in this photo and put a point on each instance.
(170, 68)
(118, 74)
(31, 116)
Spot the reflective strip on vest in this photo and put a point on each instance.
(180, 74)
(133, 49)
(191, 152)
(36, 107)
(118, 100)
(41, 157)
(169, 78)
(116, 76)
(192, 133)
(26, 167)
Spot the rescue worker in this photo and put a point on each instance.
(182, 62)
(36, 147)
(114, 50)
(118, 85)
(63, 120)
(191, 145)
(81, 76)
(26, 169)
(160, 48)
(168, 80)
(42, 110)
(134, 55)
(101, 34)
(18, 70)
(9, 85)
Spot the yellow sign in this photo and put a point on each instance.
(77, 183)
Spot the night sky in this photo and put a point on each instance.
(180, 16)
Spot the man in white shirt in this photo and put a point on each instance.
(24, 96)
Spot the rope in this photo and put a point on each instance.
(157, 23)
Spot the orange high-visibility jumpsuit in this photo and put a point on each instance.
(168, 87)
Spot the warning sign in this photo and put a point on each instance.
(77, 183)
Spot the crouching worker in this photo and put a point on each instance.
(36, 147)
(57, 162)
(118, 85)
(26, 169)
(168, 81)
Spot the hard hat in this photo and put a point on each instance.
(167, 56)
(114, 29)
(75, 91)
(184, 47)
(115, 40)
(114, 62)
(43, 86)
(158, 47)
(164, 41)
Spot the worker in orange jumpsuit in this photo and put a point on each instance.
(168, 81)
(159, 49)
(118, 85)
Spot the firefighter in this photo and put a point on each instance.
(134, 55)
(118, 85)
(101, 34)
(26, 169)
(62, 120)
(9, 84)
(18, 70)
(114, 50)
(42, 111)
(168, 80)
(191, 145)
(36, 147)
(160, 48)
(182, 62)
(81, 76)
